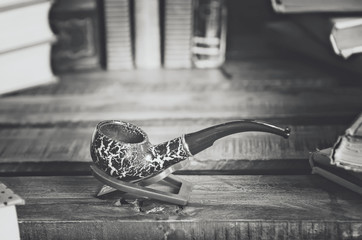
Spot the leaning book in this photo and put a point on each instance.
(342, 163)
(320, 163)
(347, 152)
(9, 228)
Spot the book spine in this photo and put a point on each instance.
(178, 33)
(147, 34)
(118, 35)
(79, 39)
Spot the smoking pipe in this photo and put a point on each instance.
(122, 150)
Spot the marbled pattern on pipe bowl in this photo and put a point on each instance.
(123, 150)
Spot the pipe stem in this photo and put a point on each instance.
(200, 140)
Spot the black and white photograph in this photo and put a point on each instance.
(181, 119)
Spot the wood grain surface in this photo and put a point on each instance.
(220, 207)
(53, 124)
(170, 105)
(270, 89)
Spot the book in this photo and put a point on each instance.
(9, 228)
(26, 67)
(342, 34)
(343, 162)
(304, 6)
(79, 43)
(178, 32)
(347, 152)
(24, 24)
(25, 45)
(209, 37)
(289, 35)
(147, 34)
(320, 163)
(118, 35)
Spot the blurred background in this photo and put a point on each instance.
(176, 66)
(107, 35)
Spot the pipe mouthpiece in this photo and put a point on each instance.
(286, 132)
(198, 141)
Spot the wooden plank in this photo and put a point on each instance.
(252, 74)
(189, 230)
(220, 207)
(240, 104)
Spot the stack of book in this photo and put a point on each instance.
(342, 163)
(329, 31)
(149, 34)
(25, 44)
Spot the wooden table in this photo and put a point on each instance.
(247, 186)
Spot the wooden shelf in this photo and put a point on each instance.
(220, 207)
(53, 124)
